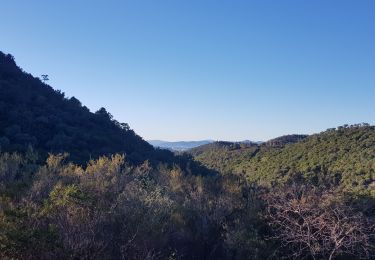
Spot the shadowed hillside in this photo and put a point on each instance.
(223, 156)
(32, 114)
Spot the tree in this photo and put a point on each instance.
(45, 78)
(104, 113)
(310, 222)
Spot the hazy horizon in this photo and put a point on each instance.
(197, 70)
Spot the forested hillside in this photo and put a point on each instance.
(32, 114)
(343, 156)
(223, 156)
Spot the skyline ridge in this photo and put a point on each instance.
(257, 69)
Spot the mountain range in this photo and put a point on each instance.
(178, 145)
(186, 145)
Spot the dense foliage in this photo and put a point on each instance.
(344, 156)
(223, 156)
(111, 210)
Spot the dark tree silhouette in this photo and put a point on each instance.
(45, 78)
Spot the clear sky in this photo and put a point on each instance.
(199, 69)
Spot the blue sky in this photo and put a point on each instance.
(198, 69)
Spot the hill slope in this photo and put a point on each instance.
(34, 114)
(343, 156)
(225, 156)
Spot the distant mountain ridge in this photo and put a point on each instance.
(178, 145)
(181, 146)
